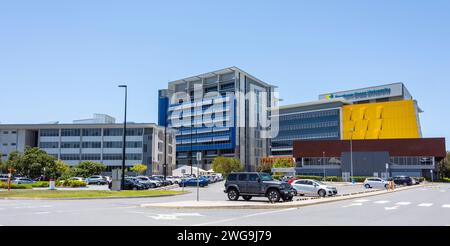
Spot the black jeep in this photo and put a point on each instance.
(252, 184)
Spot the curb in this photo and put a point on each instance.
(89, 198)
(314, 201)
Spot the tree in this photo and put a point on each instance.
(283, 163)
(87, 168)
(57, 169)
(32, 162)
(444, 167)
(226, 165)
(2, 167)
(139, 168)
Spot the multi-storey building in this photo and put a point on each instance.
(74, 143)
(220, 113)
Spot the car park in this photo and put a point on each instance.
(96, 179)
(404, 180)
(314, 187)
(376, 183)
(252, 184)
(23, 180)
(193, 182)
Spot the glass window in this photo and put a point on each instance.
(242, 177)
(92, 132)
(49, 145)
(70, 132)
(253, 177)
(70, 145)
(49, 133)
(92, 145)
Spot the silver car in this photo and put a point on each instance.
(376, 183)
(313, 187)
(23, 181)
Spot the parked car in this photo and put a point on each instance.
(158, 182)
(96, 179)
(378, 183)
(404, 180)
(161, 179)
(23, 180)
(193, 182)
(252, 184)
(314, 187)
(130, 184)
(174, 179)
(3, 177)
(147, 181)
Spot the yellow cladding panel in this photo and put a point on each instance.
(384, 120)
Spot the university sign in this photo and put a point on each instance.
(367, 93)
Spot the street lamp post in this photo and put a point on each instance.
(122, 186)
(351, 156)
(323, 163)
(165, 152)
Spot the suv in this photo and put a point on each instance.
(404, 180)
(252, 184)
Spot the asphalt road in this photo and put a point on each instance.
(420, 206)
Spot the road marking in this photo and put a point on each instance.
(403, 203)
(391, 208)
(353, 205)
(246, 216)
(39, 213)
(382, 202)
(425, 204)
(175, 216)
(446, 206)
(362, 201)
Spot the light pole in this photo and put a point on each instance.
(165, 152)
(351, 156)
(323, 163)
(122, 183)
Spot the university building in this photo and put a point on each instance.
(92, 140)
(220, 113)
(377, 129)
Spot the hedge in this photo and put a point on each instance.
(71, 183)
(4, 185)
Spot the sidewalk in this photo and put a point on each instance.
(297, 203)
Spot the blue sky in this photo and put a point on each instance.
(63, 60)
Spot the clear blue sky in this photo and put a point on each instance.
(63, 60)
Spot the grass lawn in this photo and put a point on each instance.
(84, 193)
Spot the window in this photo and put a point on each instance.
(70, 145)
(49, 133)
(112, 132)
(92, 132)
(253, 177)
(112, 157)
(242, 177)
(13, 132)
(49, 145)
(90, 157)
(232, 177)
(5, 132)
(92, 145)
(70, 157)
(111, 145)
(70, 132)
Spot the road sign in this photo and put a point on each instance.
(199, 156)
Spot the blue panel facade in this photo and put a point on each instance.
(321, 124)
(163, 106)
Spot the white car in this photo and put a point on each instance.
(174, 179)
(313, 187)
(377, 183)
(151, 183)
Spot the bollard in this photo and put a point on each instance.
(52, 184)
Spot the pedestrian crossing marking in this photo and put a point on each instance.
(425, 204)
(403, 203)
(446, 206)
(382, 202)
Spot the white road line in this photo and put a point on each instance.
(382, 202)
(446, 206)
(425, 204)
(362, 201)
(403, 203)
(391, 208)
(39, 213)
(246, 216)
(353, 205)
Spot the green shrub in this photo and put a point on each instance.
(4, 185)
(40, 184)
(359, 179)
(309, 177)
(446, 180)
(71, 183)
